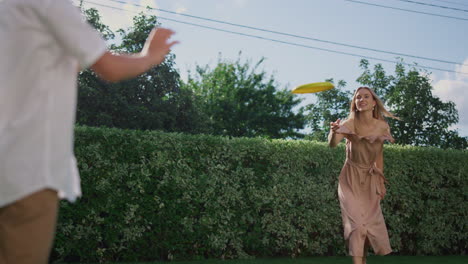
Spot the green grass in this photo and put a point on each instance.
(331, 260)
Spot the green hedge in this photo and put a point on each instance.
(154, 195)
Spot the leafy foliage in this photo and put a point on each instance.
(330, 106)
(241, 101)
(153, 100)
(425, 119)
(160, 196)
(93, 18)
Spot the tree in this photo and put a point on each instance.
(93, 17)
(330, 106)
(153, 100)
(425, 119)
(241, 101)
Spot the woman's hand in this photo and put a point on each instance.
(335, 125)
(383, 189)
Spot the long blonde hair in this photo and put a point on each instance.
(379, 111)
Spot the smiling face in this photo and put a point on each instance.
(364, 100)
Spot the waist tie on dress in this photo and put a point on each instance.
(373, 171)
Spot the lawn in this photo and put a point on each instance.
(330, 260)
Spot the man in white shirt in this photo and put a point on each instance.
(42, 44)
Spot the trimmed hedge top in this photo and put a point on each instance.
(150, 195)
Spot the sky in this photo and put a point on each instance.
(349, 22)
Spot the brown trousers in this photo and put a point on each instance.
(27, 228)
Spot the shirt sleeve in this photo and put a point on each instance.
(78, 38)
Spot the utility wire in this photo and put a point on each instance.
(283, 42)
(451, 2)
(298, 36)
(426, 4)
(407, 10)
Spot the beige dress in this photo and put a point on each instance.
(360, 184)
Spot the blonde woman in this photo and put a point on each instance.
(361, 181)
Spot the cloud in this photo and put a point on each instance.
(240, 3)
(181, 10)
(462, 68)
(455, 88)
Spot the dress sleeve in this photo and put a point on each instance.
(69, 27)
(344, 130)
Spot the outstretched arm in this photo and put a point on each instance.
(333, 137)
(117, 67)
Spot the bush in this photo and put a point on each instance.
(163, 196)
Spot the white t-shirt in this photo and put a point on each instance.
(42, 44)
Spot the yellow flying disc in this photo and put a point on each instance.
(313, 87)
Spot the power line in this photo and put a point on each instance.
(451, 2)
(407, 10)
(282, 42)
(298, 36)
(426, 4)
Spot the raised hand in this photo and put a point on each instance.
(335, 125)
(157, 45)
